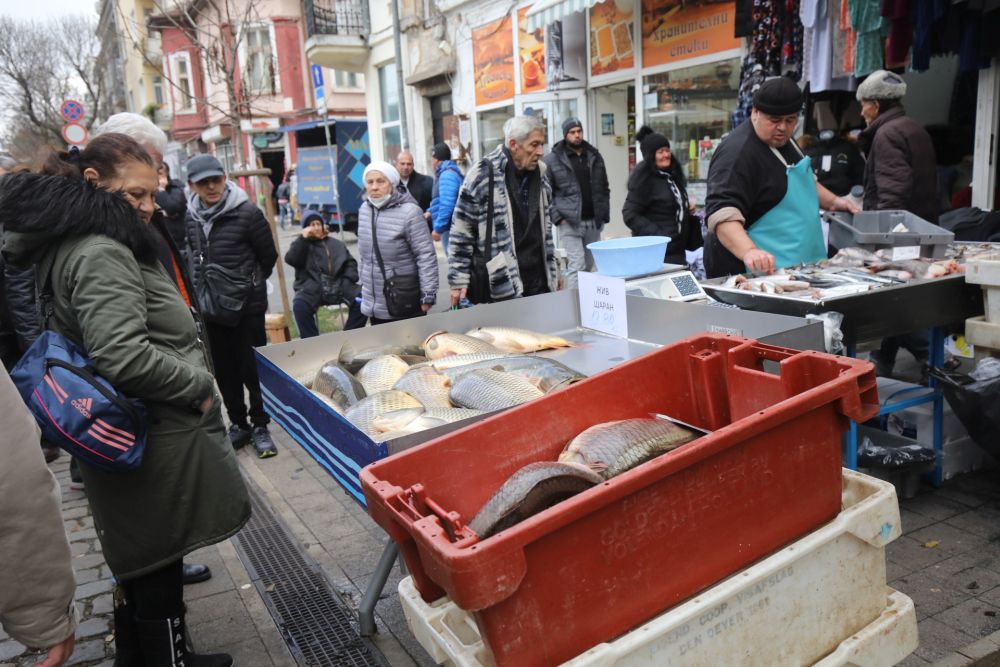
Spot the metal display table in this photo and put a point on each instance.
(342, 450)
(887, 311)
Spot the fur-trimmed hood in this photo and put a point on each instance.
(36, 210)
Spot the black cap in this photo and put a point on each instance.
(441, 152)
(571, 123)
(651, 143)
(779, 96)
(203, 166)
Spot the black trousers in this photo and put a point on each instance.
(159, 594)
(236, 368)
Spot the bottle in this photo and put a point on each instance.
(693, 160)
(856, 195)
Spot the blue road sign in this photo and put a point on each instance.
(317, 73)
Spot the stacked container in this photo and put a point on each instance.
(603, 562)
(984, 331)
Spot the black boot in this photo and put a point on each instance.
(127, 652)
(163, 645)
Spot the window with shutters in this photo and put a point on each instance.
(258, 60)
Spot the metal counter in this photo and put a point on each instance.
(885, 311)
(343, 450)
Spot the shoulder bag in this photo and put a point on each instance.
(74, 406)
(479, 278)
(402, 292)
(221, 292)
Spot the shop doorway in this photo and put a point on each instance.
(275, 161)
(612, 132)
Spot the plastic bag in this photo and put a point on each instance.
(872, 455)
(833, 337)
(976, 403)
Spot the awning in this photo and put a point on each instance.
(545, 12)
(307, 125)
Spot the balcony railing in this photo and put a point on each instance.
(337, 17)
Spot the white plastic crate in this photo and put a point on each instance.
(817, 599)
(984, 270)
(982, 333)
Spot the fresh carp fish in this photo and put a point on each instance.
(381, 373)
(336, 407)
(444, 343)
(353, 359)
(517, 341)
(535, 487)
(414, 420)
(362, 413)
(546, 374)
(456, 360)
(336, 383)
(426, 385)
(489, 390)
(612, 448)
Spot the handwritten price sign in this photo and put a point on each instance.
(602, 304)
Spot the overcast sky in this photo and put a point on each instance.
(40, 9)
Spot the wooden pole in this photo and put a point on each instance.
(264, 186)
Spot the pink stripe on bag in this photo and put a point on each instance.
(112, 436)
(116, 431)
(58, 388)
(55, 389)
(67, 435)
(97, 436)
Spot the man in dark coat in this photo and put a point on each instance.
(420, 187)
(581, 198)
(901, 174)
(173, 202)
(902, 170)
(226, 229)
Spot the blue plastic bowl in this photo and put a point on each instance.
(630, 256)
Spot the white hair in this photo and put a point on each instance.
(519, 128)
(138, 128)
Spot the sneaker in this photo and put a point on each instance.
(239, 435)
(75, 478)
(262, 443)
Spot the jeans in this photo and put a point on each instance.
(574, 240)
(284, 211)
(305, 318)
(444, 242)
(236, 367)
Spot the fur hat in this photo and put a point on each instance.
(882, 85)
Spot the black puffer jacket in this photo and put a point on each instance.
(651, 210)
(567, 200)
(313, 257)
(239, 239)
(173, 203)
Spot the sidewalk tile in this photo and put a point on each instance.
(975, 617)
(938, 640)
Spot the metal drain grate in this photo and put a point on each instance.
(317, 626)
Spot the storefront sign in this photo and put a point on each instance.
(602, 303)
(493, 59)
(611, 42)
(531, 50)
(673, 31)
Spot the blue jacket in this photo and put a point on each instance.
(446, 187)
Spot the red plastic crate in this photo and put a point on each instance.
(606, 560)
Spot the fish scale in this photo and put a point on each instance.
(444, 343)
(382, 373)
(426, 385)
(334, 382)
(517, 341)
(613, 447)
(362, 413)
(490, 390)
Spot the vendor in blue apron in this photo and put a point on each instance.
(763, 200)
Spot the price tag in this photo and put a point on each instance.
(827, 163)
(905, 252)
(602, 303)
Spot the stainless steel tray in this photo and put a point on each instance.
(343, 450)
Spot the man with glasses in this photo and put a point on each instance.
(763, 200)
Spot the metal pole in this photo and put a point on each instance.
(333, 174)
(404, 135)
(366, 610)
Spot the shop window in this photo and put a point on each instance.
(342, 79)
(491, 128)
(692, 107)
(392, 144)
(552, 114)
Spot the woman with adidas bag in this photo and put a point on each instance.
(83, 223)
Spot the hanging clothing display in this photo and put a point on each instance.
(850, 40)
(897, 45)
(867, 21)
(817, 64)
